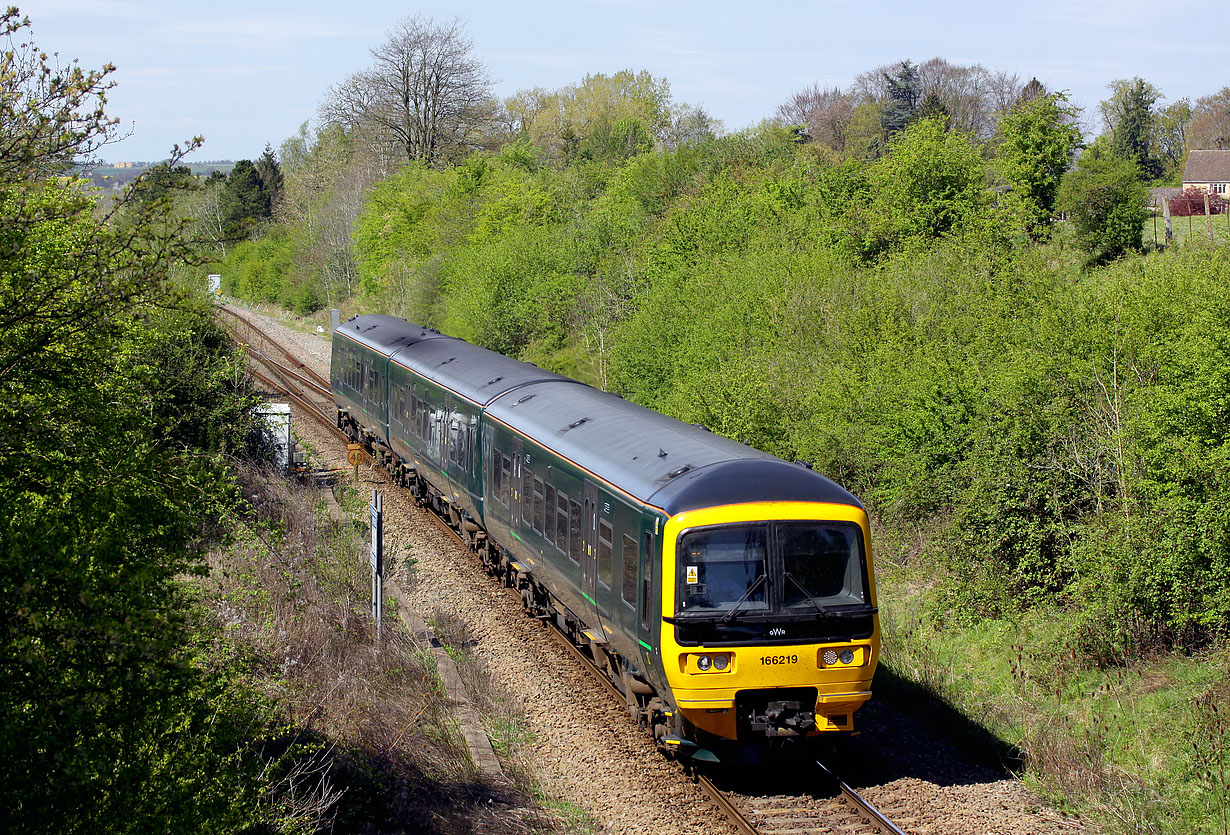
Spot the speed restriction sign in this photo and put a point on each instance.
(356, 455)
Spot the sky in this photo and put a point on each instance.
(243, 74)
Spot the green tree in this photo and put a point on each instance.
(929, 182)
(271, 176)
(1129, 117)
(1209, 129)
(119, 405)
(1037, 141)
(244, 202)
(1106, 200)
(901, 108)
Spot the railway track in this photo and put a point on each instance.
(805, 812)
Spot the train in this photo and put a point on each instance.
(728, 594)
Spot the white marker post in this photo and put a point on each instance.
(376, 508)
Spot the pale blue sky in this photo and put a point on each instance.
(245, 73)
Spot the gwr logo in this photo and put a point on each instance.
(777, 632)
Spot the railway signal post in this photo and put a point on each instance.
(376, 509)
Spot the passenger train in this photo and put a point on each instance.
(728, 594)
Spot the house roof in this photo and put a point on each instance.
(1207, 167)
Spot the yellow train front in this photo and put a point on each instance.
(769, 616)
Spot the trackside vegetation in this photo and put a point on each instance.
(1034, 411)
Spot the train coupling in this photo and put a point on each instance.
(784, 719)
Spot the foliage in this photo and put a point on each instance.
(120, 405)
(929, 183)
(244, 202)
(1037, 140)
(1131, 120)
(1209, 128)
(901, 86)
(1106, 200)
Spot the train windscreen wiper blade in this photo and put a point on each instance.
(730, 615)
(824, 610)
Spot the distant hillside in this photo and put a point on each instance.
(112, 177)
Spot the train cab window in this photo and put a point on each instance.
(537, 522)
(647, 580)
(605, 535)
(631, 558)
(574, 531)
(561, 522)
(548, 520)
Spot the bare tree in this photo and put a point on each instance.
(824, 111)
(425, 92)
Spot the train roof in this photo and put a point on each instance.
(473, 372)
(387, 334)
(659, 460)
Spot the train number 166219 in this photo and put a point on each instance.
(771, 660)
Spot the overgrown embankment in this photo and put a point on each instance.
(1040, 439)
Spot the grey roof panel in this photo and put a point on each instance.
(471, 371)
(657, 459)
(386, 334)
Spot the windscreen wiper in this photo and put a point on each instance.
(821, 609)
(729, 616)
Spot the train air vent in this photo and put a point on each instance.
(806, 464)
(493, 382)
(575, 424)
(679, 471)
(447, 361)
(661, 453)
(523, 399)
(702, 426)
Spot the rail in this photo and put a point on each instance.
(778, 816)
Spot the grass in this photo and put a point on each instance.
(1141, 746)
(291, 594)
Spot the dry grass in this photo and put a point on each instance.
(293, 596)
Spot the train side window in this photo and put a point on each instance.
(647, 580)
(561, 522)
(630, 565)
(574, 531)
(496, 483)
(548, 526)
(506, 480)
(605, 535)
(537, 523)
(527, 495)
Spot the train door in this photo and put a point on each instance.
(516, 497)
(647, 618)
(589, 551)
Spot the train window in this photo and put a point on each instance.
(537, 522)
(561, 523)
(629, 574)
(506, 479)
(527, 494)
(574, 531)
(416, 424)
(605, 535)
(548, 520)
(496, 484)
(647, 580)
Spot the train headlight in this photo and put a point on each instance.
(830, 657)
(703, 663)
(720, 662)
(847, 656)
